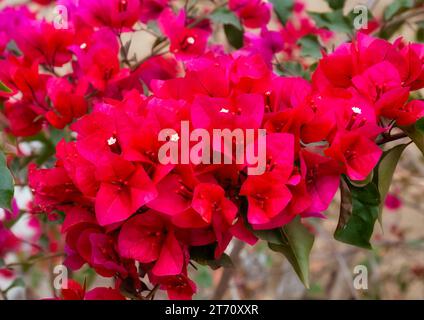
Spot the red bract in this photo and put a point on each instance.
(45, 43)
(124, 188)
(75, 291)
(117, 14)
(252, 13)
(150, 238)
(381, 72)
(98, 59)
(186, 41)
(53, 188)
(356, 153)
(68, 103)
(179, 287)
(23, 121)
(8, 241)
(151, 9)
(322, 180)
(130, 216)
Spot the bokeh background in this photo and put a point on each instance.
(395, 265)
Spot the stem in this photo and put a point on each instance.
(206, 15)
(413, 12)
(3, 295)
(152, 293)
(155, 52)
(17, 264)
(124, 51)
(228, 272)
(394, 137)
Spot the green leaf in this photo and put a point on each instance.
(274, 236)
(204, 255)
(225, 16)
(416, 133)
(203, 277)
(19, 282)
(293, 69)
(310, 46)
(153, 25)
(359, 210)
(388, 32)
(6, 184)
(420, 125)
(283, 9)
(397, 7)
(336, 4)
(296, 246)
(234, 35)
(385, 170)
(4, 88)
(420, 31)
(333, 20)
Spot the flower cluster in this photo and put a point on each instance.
(131, 217)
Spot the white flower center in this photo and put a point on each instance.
(356, 110)
(190, 40)
(111, 141)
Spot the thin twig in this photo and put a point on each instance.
(224, 282)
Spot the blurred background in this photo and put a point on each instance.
(395, 266)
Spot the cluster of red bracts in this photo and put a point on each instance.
(133, 218)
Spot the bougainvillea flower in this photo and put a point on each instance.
(185, 41)
(53, 188)
(151, 9)
(245, 112)
(357, 154)
(175, 192)
(68, 103)
(98, 59)
(79, 170)
(8, 241)
(392, 201)
(178, 287)
(45, 43)
(116, 14)
(252, 13)
(98, 134)
(322, 180)
(124, 188)
(99, 251)
(75, 291)
(210, 203)
(150, 238)
(23, 121)
(78, 246)
(155, 68)
(412, 67)
(26, 79)
(267, 197)
(3, 41)
(267, 44)
(103, 293)
(405, 114)
(377, 80)
(209, 199)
